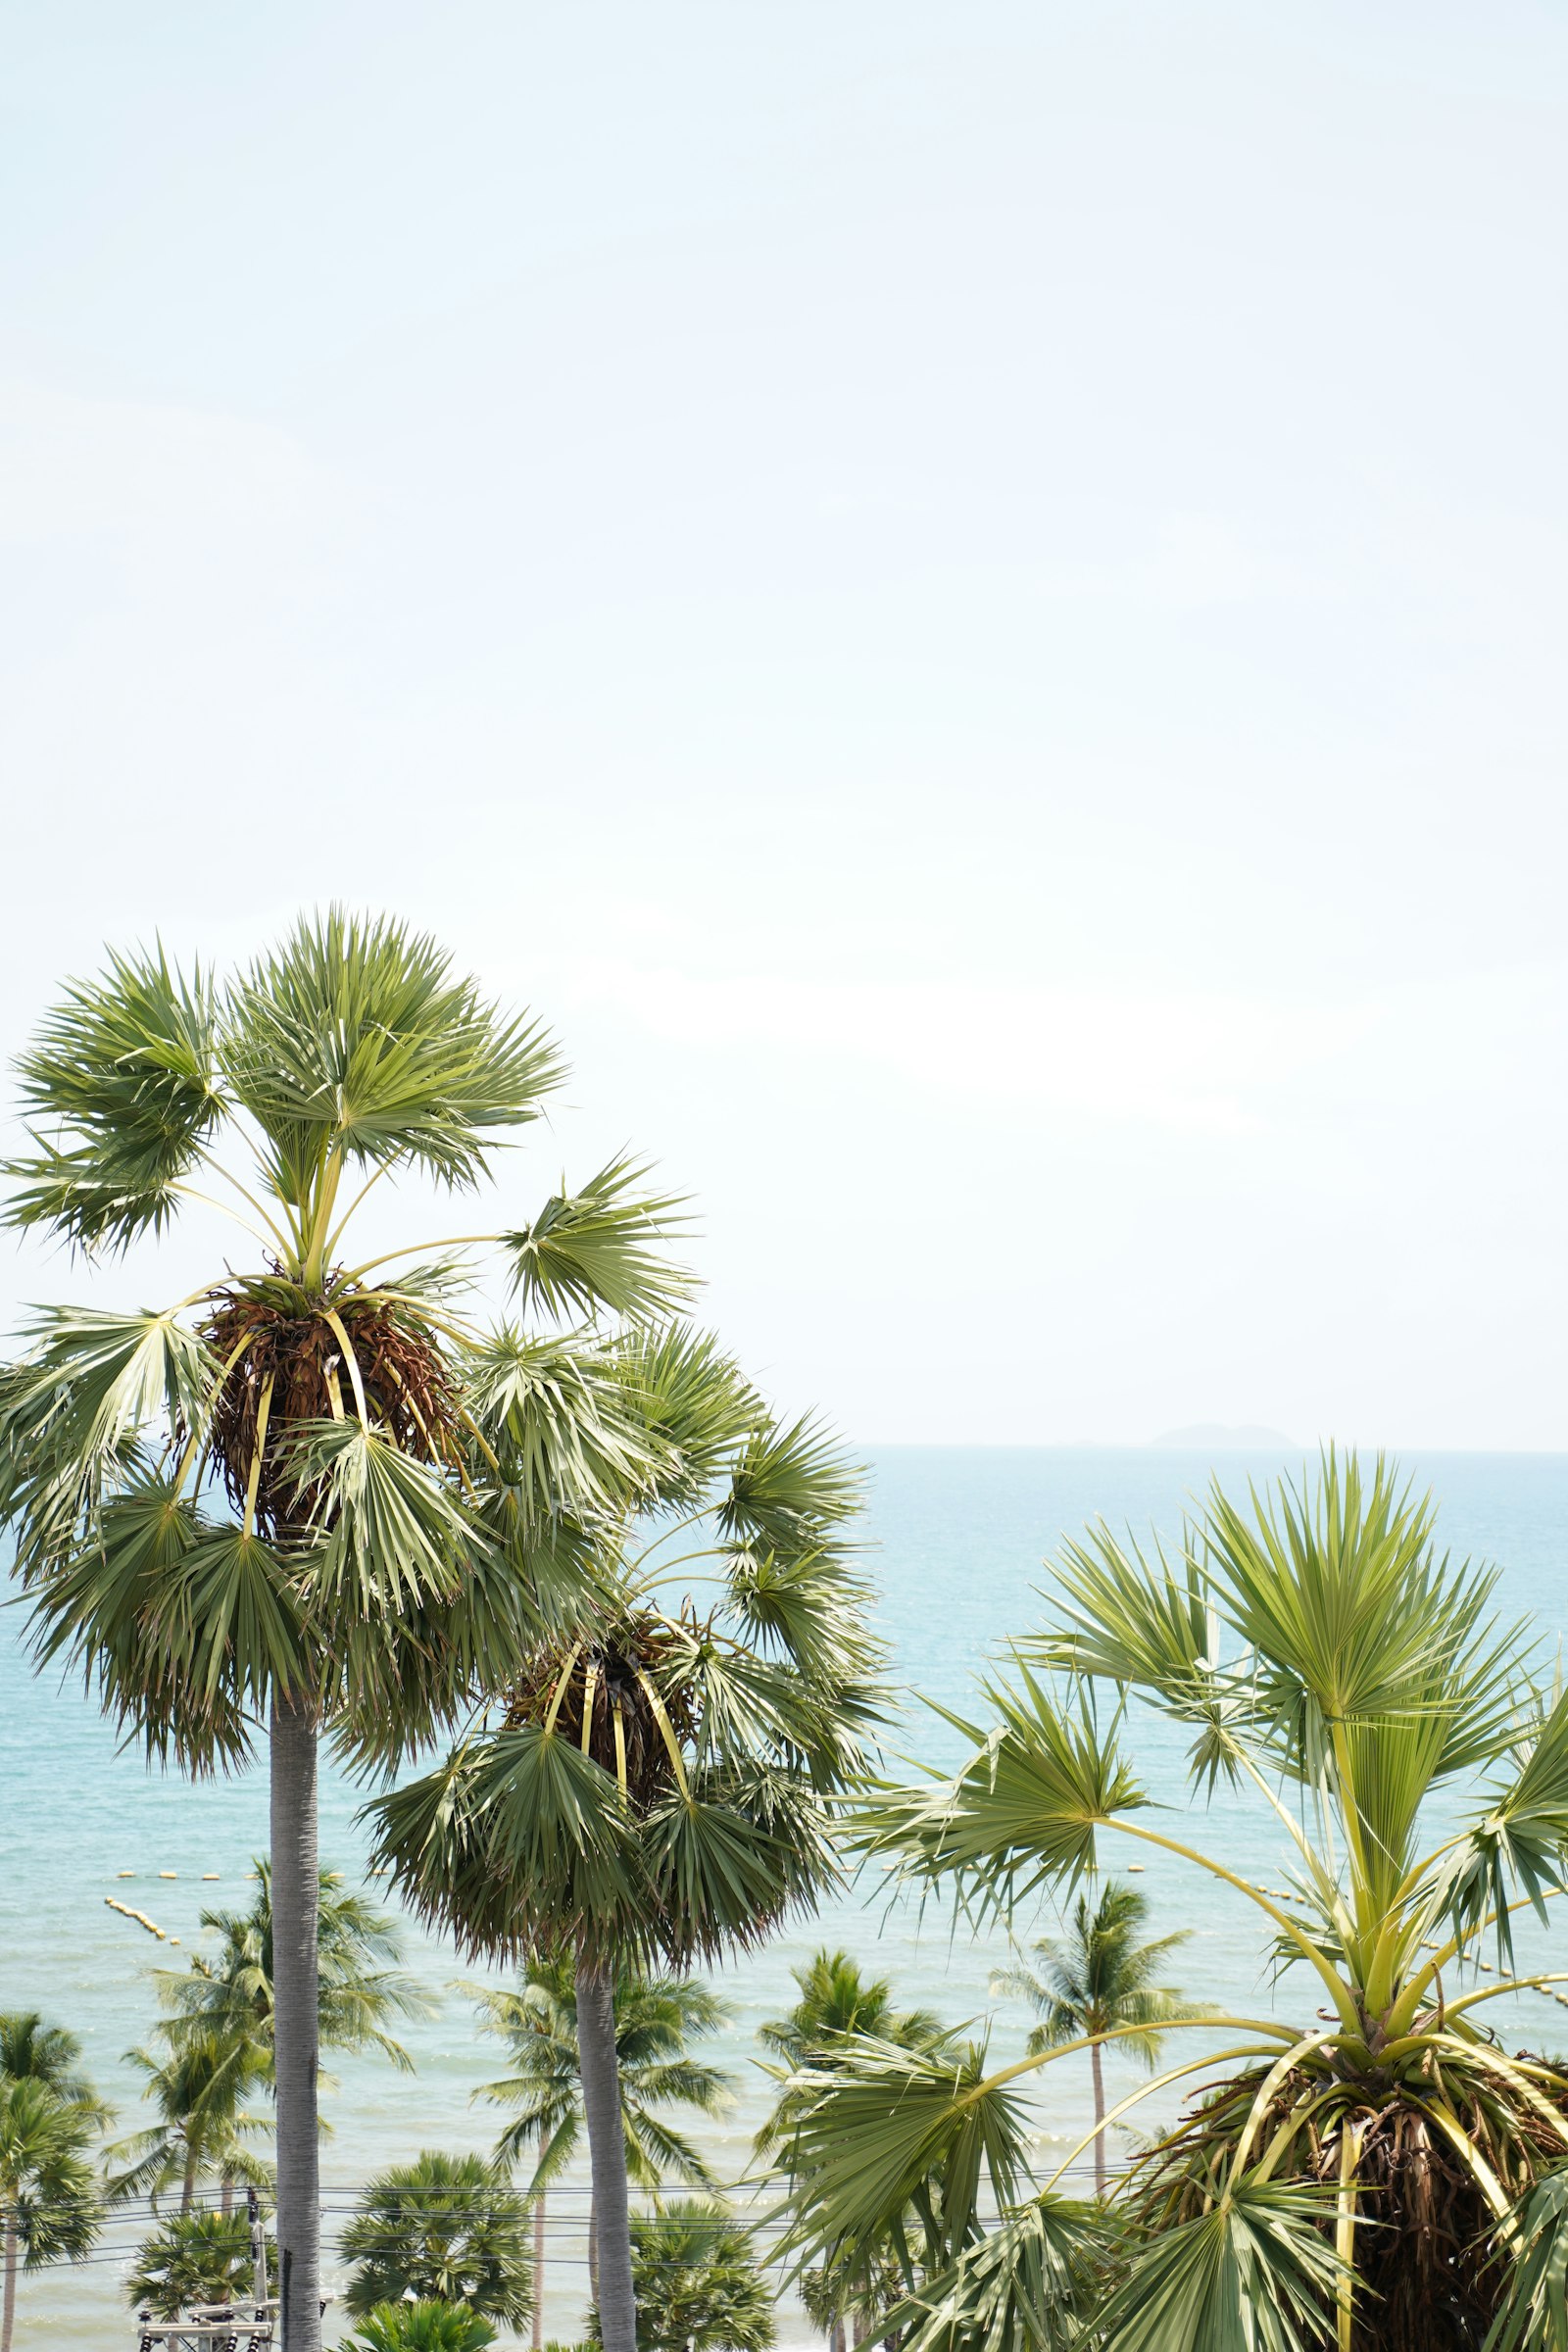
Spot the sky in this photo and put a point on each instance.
(968, 600)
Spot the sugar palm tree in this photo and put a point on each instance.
(700, 2286)
(451, 2228)
(1350, 2172)
(423, 2325)
(838, 2006)
(656, 1784)
(192, 2257)
(658, 2017)
(1100, 1981)
(49, 2203)
(313, 1494)
(197, 2082)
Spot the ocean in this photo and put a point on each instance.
(961, 1538)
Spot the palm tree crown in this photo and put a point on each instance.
(658, 2017)
(699, 2287)
(658, 1782)
(359, 1992)
(837, 2000)
(50, 2207)
(450, 2228)
(1356, 2174)
(196, 2084)
(31, 2051)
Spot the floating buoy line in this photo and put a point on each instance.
(142, 1919)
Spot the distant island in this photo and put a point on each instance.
(1249, 1437)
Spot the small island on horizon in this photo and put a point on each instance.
(1248, 1436)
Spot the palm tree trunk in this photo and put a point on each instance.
(593, 2248)
(8, 2310)
(1099, 2119)
(225, 2202)
(835, 2338)
(539, 2262)
(187, 2187)
(296, 1897)
(610, 2242)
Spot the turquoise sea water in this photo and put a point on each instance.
(960, 1537)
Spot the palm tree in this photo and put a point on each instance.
(196, 2084)
(359, 1993)
(49, 2203)
(451, 2228)
(1100, 1982)
(315, 1494)
(657, 2019)
(657, 1784)
(1351, 2176)
(423, 2325)
(32, 2052)
(837, 2002)
(699, 2287)
(192, 2257)
(837, 2005)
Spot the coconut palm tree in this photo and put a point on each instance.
(359, 1993)
(700, 2286)
(50, 2208)
(31, 2051)
(1099, 1982)
(197, 2083)
(192, 2257)
(657, 1784)
(313, 1494)
(838, 2004)
(1352, 2169)
(448, 2229)
(656, 2020)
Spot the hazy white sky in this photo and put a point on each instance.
(970, 598)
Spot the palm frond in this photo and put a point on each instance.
(357, 1036)
(1020, 1815)
(1031, 2284)
(121, 1073)
(1256, 2273)
(602, 1249)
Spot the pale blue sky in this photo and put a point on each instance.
(969, 599)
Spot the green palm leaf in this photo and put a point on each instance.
(1255, 2275)
(123, 1070)
(1031, 2286)
(358, 1036)
(601, 1250)
(1021, 1816)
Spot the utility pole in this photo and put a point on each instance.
(258, 2248)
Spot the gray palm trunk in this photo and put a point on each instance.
(1098, 2071)
(296, 1895)
(8, 2313)
(539, 2272)
(539, 2251)
(607, 2151)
